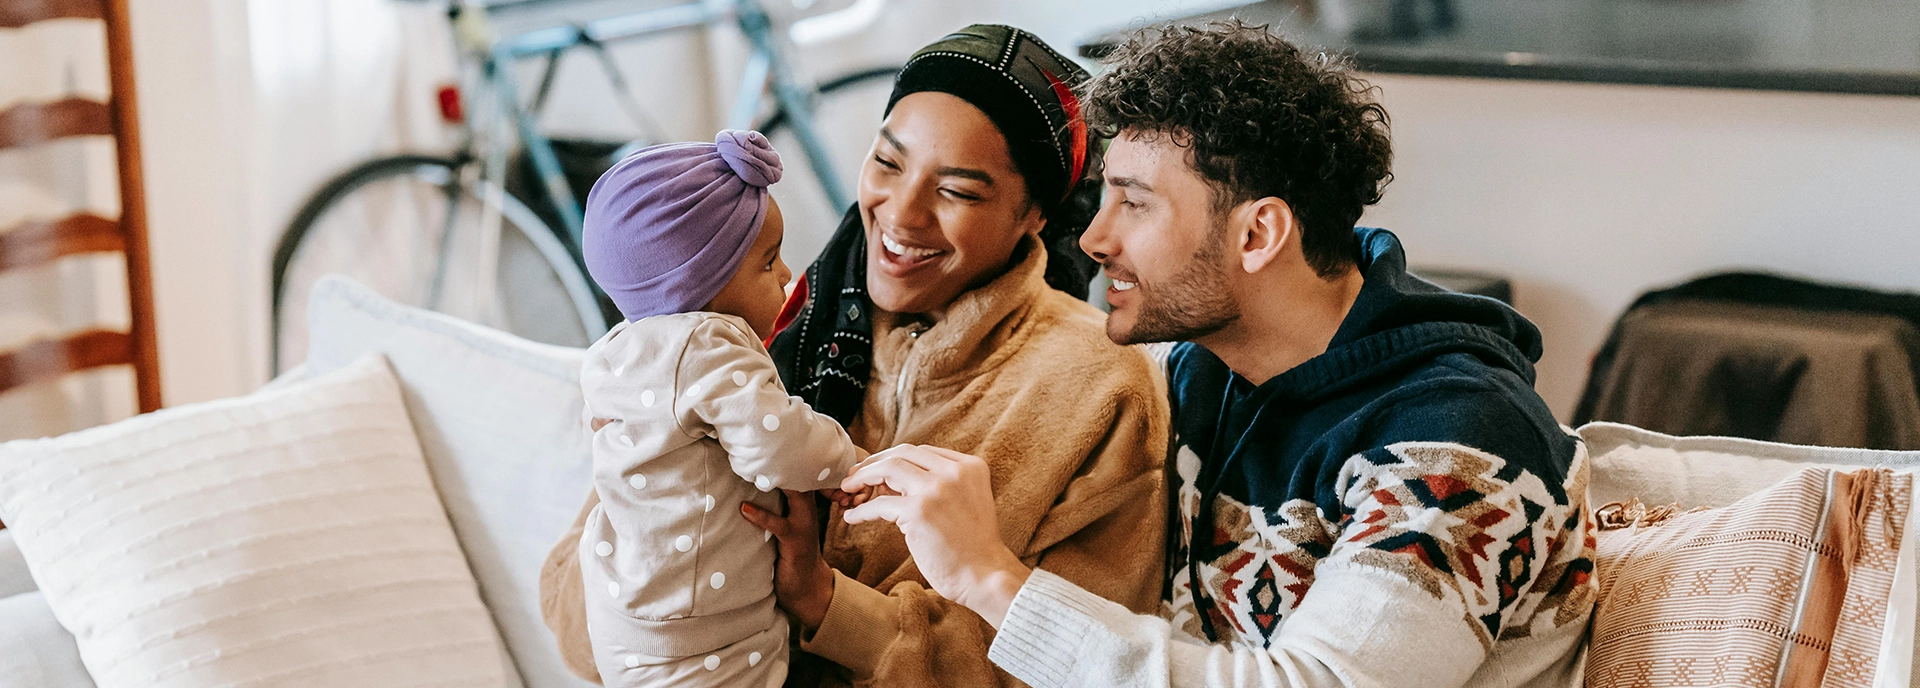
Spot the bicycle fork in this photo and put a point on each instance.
(766, 61)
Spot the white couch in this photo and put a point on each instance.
(498, 420)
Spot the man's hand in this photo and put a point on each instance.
(802, 582)
(942, 501)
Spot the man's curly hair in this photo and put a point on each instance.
(1261, 117)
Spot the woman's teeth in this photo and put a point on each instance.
(1124, 286)
(900, 249)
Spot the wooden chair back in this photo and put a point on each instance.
(39, 242)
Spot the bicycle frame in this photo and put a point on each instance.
(767, 65)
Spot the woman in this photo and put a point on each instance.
(947, 311)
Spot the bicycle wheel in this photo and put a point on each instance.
(401, 224)
(846, 116)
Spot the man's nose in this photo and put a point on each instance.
(1096, 240)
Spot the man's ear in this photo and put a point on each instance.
(1267, 226)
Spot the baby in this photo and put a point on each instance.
(690, 419)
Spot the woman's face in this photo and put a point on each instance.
(942, 204)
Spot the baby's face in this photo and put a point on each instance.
(759, 287)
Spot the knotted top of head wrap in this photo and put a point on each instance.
(667, 226)
(824, 351)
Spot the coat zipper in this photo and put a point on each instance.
(900, 385)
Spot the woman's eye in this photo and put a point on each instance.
(885, 163)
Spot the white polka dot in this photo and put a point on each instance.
(824, 472)
(613, 589)
(683, 543)
(633, 661)
(771, 422)
(619, 370)
(639, 482)
(693, 391)
(739, 378)
(718, 580)
(766, 535)
(713, 662)
(763, 483)
(753, 659)
(603, 549)
(626, 440)
(677, 616)
(709, 503)
(646, 398)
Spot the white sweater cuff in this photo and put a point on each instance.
(1046, 629)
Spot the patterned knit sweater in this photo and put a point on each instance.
(1400, 510)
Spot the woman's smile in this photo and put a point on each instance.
(899, 257)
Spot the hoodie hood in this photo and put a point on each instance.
(1400, 321)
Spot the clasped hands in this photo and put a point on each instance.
(942, 502)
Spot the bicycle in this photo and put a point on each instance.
(432, 231)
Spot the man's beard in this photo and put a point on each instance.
(1192, 304)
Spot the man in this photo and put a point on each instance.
(1368, 490)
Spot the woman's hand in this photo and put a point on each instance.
(802, 582)
(942, 501)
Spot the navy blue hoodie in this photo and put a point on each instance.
(1414, 447)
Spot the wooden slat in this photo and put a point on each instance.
(17, 13)
(30, 123)
(48, 359)
(133, 202)
(37, 242)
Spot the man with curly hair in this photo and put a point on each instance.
(1366, 490)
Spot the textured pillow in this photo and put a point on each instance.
(291, 536)
(1631, 463)
(1788, 586)
(499, 419)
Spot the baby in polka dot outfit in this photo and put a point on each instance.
(690, 419)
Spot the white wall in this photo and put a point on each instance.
(190, 66)
(1588, 195)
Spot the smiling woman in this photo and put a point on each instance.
(948, 310)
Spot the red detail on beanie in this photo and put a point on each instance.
(1076, 126)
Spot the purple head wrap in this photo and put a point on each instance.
(668, 225)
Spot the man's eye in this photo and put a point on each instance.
(961, 195)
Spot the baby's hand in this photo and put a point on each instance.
(848, 500)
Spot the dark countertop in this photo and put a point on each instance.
(1835, 46)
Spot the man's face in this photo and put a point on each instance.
(1162, 243)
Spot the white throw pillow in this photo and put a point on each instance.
(499, 418)
(1628, 462)
(287, 537)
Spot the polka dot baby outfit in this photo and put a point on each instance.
(679, 586)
